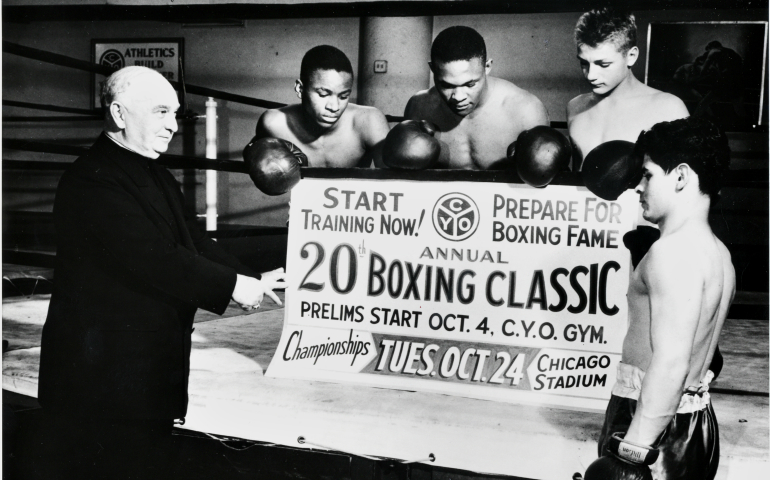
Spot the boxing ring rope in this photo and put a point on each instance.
(211, 133)
(167, 160)
(82, 113)
(748, 178)
(754, 178)
(65, 61)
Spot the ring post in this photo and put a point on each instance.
(211, 175)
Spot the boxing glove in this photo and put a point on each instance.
(411, 145)
(626, 461)
(274, 164)
(611, 168)
(613, 468)
(539, 154)
(639, 241)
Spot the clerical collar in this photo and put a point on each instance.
(129, 149)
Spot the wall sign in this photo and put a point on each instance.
(161, 54)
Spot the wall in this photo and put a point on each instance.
(261, 60)
(537, 52)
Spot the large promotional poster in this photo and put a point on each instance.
(487, 290)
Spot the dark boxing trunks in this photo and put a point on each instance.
(689, 446)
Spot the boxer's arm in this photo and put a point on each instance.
(675, 293)
(417, 108)
(372, 128)
(266, 125)
(573, 108)
(672, 108)
(532, 114)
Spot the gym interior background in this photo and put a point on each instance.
(261, 59)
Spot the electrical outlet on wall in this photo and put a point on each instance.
(380, 66)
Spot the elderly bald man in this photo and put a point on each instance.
(131, 271)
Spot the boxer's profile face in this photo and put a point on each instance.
(655, 190)
(604, 66)
(326, 96)
(461, 83)
(148, 114)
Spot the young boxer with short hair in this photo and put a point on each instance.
(619, 106)
(330, 130)
(660, 412)
(477, 116)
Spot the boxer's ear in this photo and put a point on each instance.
(632, 55)
(683, 174)
(298, 88)
(488, 66)
(430, 65)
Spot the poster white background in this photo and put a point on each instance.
(487, 290)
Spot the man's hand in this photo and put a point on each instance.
(249, 292)
(277, 275)
(272, 280)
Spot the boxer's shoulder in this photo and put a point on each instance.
(281, 123)
(656, 105)
(276, 119)
(362, 115)
(507, 90)
(683, 251)
(508, 94)
(669, 107)
(367, 121)
(423, 104)
(580, 104)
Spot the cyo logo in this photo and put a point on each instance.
(455, 216)
(113, 59)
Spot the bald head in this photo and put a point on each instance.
(122, 80)
(140, 110)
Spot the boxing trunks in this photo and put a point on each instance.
(689, 446)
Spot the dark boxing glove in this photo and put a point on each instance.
(639, 241)
(613, 468)
(610, 169)
(626, 461)
(411, 145)
(539, 154)
(274, 164)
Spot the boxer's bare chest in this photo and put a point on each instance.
(604, 122)
(479, 142)
(637, 349)
(341, 147)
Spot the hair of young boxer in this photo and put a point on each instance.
(458, 43)
(323, 57)
(119, 82)
(694, 141)
(606, 25)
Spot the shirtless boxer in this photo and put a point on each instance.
(619, 106)
(477, 116)
(678, 299)
(331, 131)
